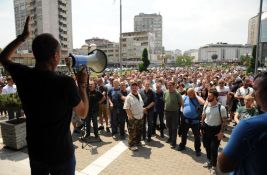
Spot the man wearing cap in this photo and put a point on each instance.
(133, 106)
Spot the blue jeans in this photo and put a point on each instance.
(66, 168)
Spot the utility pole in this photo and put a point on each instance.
(120, 45)
(258, 53)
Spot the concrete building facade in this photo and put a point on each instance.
(150, 23)
(192, 53)
(110, 48)
(133, 44)
(46, 16)
(225, 52)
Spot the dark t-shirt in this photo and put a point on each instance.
(94, 97)
(103, 89)
(48, 100)
(147, 97)
(114, 95)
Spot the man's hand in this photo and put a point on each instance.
(26, 33)
(82, 76)
(220, 136)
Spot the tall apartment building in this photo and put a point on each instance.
(150, 23)
(47, 16)
(133, 44)
(110, 48)
(253, 29)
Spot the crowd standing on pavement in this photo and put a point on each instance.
(204, 100)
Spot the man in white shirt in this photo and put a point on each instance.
(133, 106)
(10, 88)
(223, 91)
(243, 91)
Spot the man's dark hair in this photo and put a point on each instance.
(262, 84)
(44, 47)
(214, 92)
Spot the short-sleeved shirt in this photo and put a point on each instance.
(147, 97)
(214, 115)
(172, 101)
(244, 112)
(94, 97)
(135, 105)
(190, 110)
(47, 100)
(159, 102)
(247, 146)
(114, 95)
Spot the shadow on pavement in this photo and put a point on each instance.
(12, 155)
(201, 159)
(154, 143)
(142, 152)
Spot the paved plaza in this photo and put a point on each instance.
(113, 157)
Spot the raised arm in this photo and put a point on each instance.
(5, 55)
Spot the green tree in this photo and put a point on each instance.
(245, 60)
(184, 60)
(143, 66)
(251, 66)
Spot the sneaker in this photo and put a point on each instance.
(133, 148)
(198, 153)
(114, 137)
(213, 170)
(162, 134)
(207, 165)
(181, 148)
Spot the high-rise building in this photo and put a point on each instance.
(150, 23)
(253, 29)
(46, 16)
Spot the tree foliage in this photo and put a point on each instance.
(143, 66)
(251, 65)
(245, 60)
(184, 60)
(214, 56)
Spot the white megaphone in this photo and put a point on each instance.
(96, 60)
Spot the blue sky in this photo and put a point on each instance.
(186, 24)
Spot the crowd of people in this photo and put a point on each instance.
(203, 99)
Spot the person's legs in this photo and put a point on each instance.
(174, 123)
(39, 168)
(196, 132)
(122, 118)
(66, 168)
(149, 124)
(185, 129)
(114, 121)
(161, 116)
(95, 124)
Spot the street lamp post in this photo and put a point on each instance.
(258, 54)
(120, 44)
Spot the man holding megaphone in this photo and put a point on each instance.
(48, 100)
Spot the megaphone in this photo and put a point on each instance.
(96, 60)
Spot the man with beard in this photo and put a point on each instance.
(213, 123)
